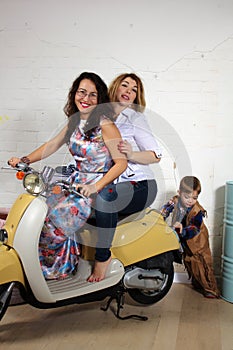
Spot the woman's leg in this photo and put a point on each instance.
(123, 198)
(136, 196)
(106, 221)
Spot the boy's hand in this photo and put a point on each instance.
(178, 227)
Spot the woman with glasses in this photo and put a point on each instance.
(92, 139)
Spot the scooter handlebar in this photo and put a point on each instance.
(21, 166)
(64, 184)
(69, 187)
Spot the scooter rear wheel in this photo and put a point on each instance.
(150, 297)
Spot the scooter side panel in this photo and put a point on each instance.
(142, 239)
(15, 214)
(10, 267)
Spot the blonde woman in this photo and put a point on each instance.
(136, 186)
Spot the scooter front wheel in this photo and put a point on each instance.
(5, 297)
(149, 297)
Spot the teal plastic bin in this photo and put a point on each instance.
(227, 257)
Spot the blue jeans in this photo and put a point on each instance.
(119, 199)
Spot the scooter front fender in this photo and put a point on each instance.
(10, 266)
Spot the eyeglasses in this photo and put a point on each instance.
(83, 93)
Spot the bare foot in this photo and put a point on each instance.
(99, 270)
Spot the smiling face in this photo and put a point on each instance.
(127, 91)
(188, 199)
(86, 97)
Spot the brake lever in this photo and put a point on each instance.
(20, 166)
(69, 187)
(77, 192)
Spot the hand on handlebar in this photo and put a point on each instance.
(13, 161)
(86, 190)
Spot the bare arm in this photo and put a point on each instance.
(141, 157)
(112, 137)
(45, 150)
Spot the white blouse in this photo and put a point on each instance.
(135, 129)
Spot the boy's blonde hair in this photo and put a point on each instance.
(189, 184)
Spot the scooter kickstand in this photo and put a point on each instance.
(119, 297)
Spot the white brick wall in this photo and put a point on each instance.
(182, 50)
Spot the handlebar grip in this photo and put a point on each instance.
(8, 162)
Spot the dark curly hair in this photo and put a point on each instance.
(103, 106)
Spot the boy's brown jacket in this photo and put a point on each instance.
(197, 254)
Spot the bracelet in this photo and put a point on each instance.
(25, 160)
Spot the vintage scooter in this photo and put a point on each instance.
(143, 252)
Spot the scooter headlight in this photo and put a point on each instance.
(3, 236)
(33, 183)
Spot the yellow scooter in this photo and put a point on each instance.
(143, 252)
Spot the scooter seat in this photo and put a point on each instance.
(122, 219)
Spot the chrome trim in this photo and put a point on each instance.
(3, 236)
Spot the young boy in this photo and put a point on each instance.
(187, 220)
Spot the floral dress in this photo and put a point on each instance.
(91, 155)
(59, 252)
